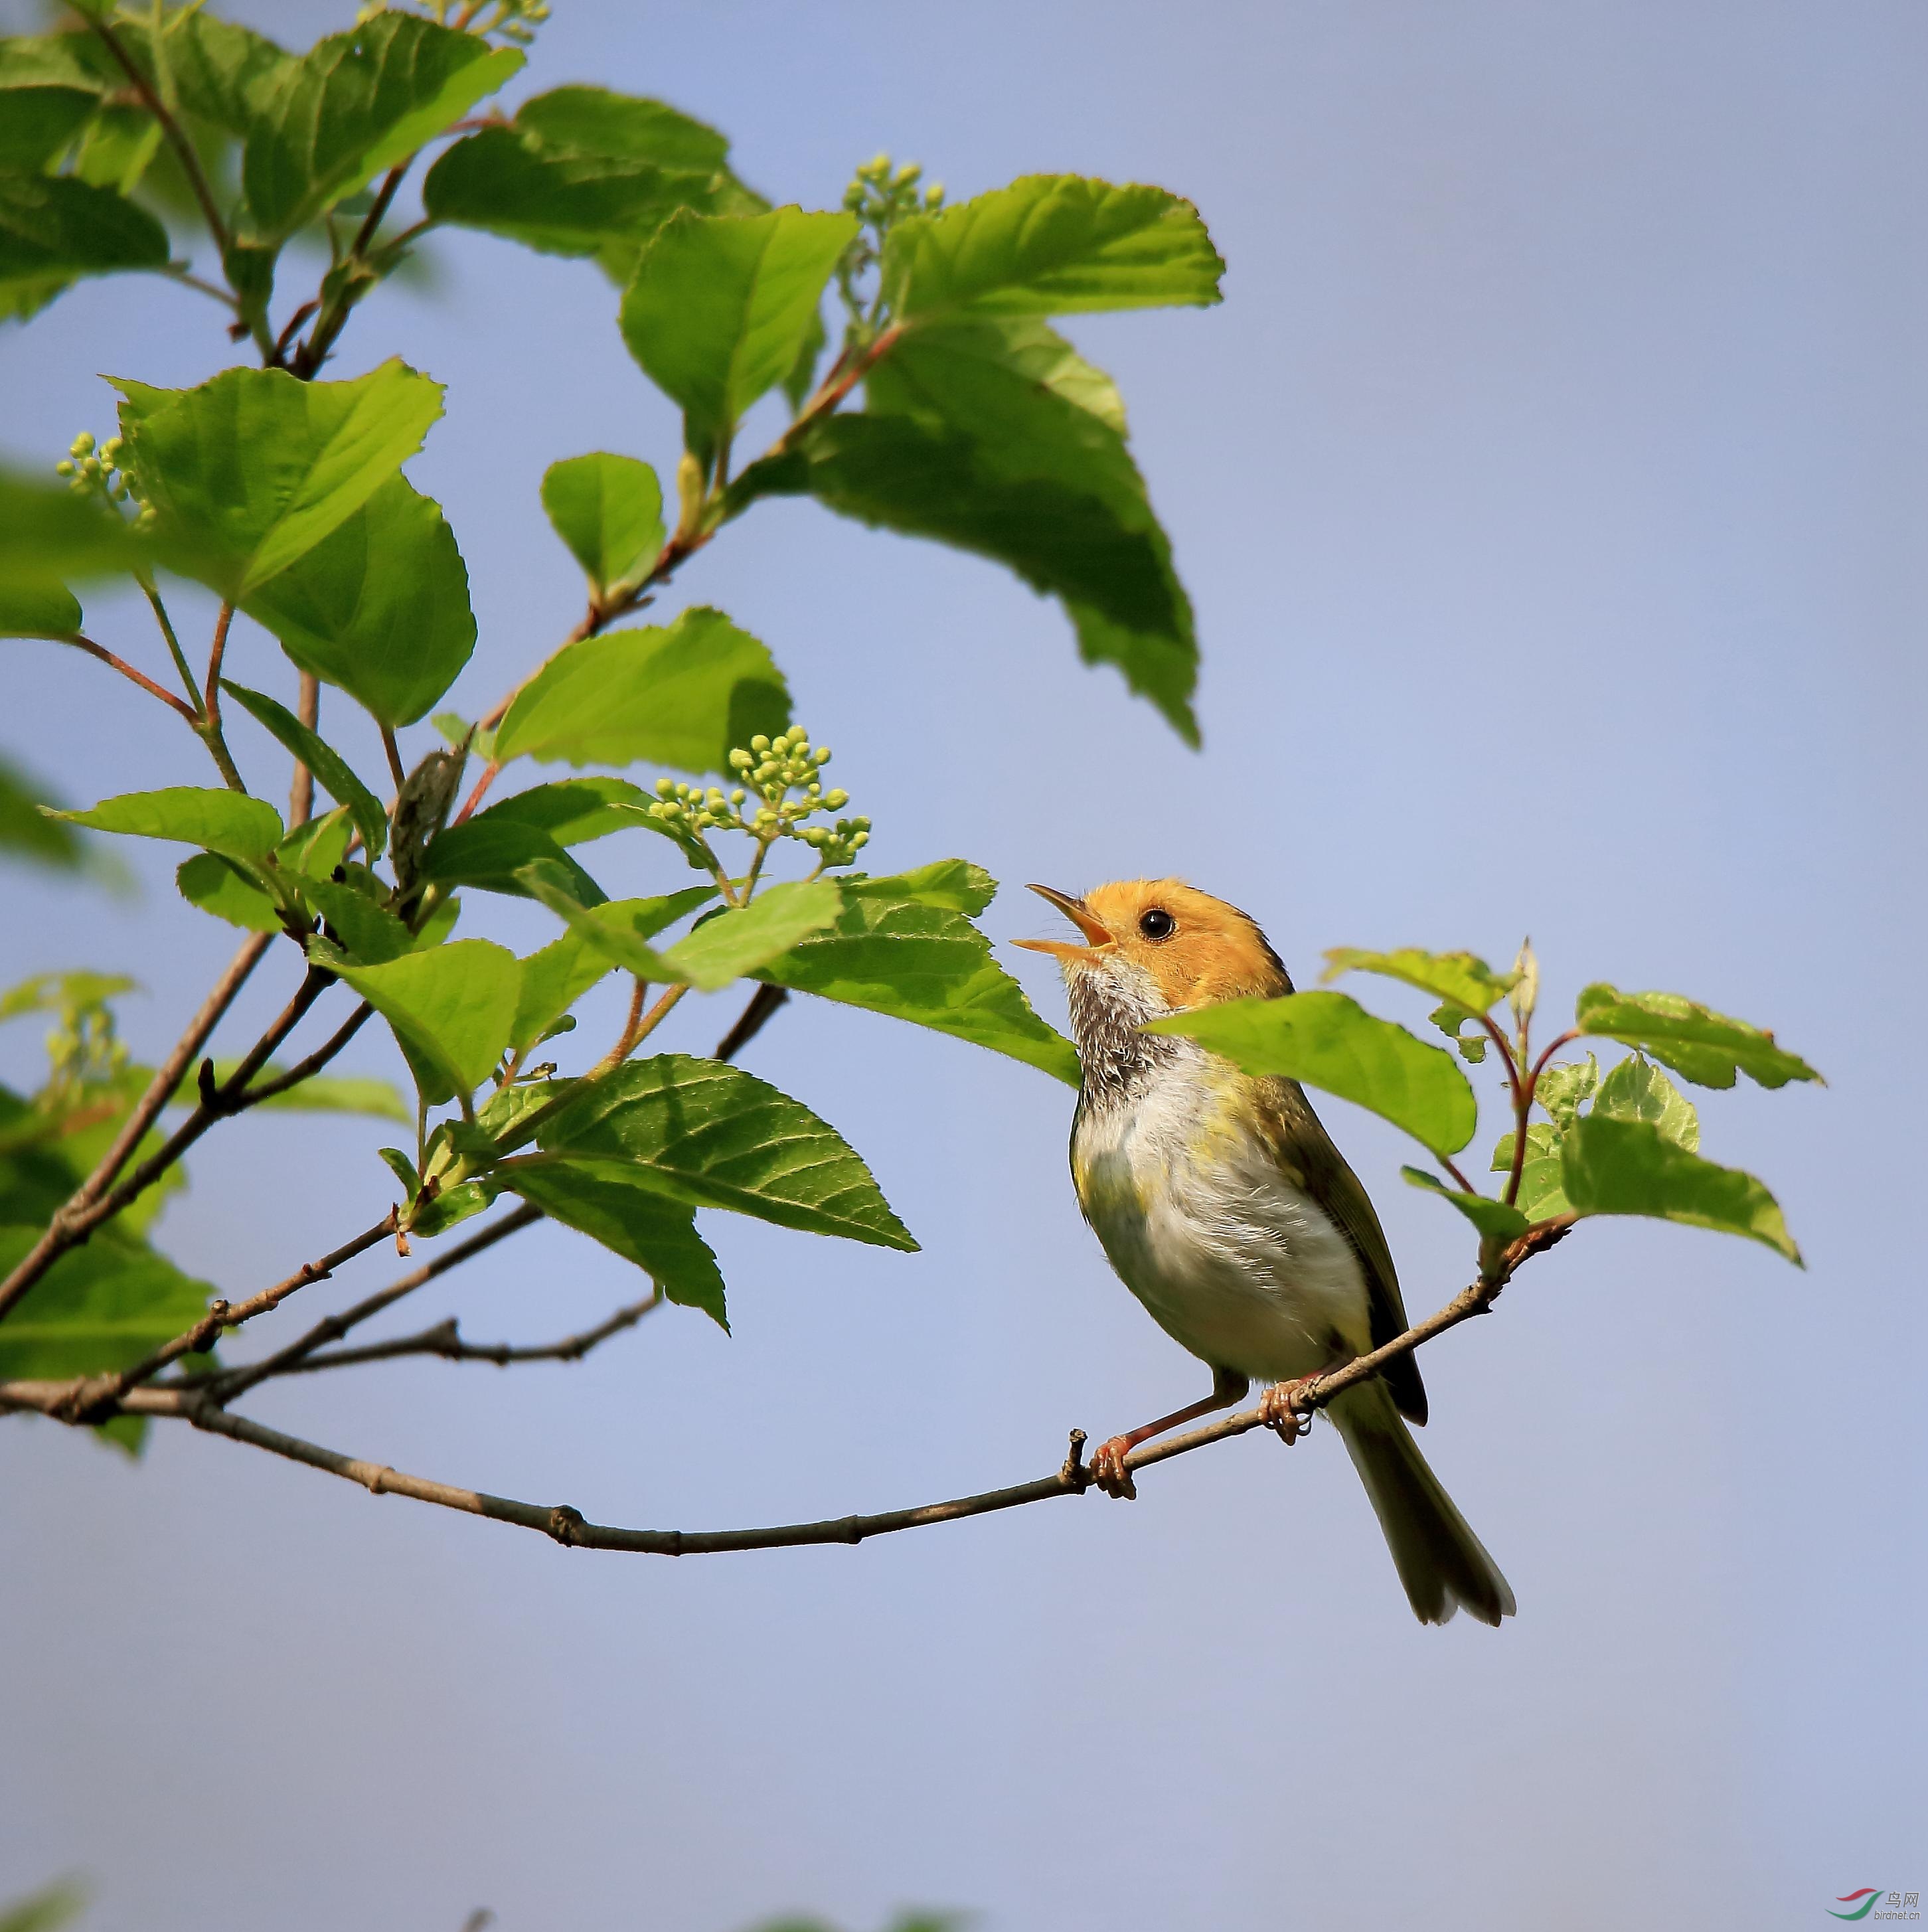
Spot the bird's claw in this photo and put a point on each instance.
(1109, 1470)
(1279, 1409)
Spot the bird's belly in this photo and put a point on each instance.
(1234, 1263)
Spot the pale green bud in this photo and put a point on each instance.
(836, 800)
(63, 468)
(82, 444)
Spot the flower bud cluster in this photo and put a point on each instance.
(881, 195)
(92, 472)
(784, 776)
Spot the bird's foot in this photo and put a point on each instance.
(1109, 1470)
(1284, 1410)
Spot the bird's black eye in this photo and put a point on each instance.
(1157, 923)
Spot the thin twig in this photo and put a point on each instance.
(301, 788)
(218, 649)
(166, 623)
(444, 1339)
(397, 770)
(70, 1226)
(226, 1385)
(183, 148)
(127, 670)
(567, 1526)
(762, 1006)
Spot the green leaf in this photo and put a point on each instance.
(53, 230)
(1461, 978)
(1449, 1017)
(44, 610)
(102, 1306)
(637, 1221)
(801, 382)
(369, 932)
(738, 940)
(26, 831)
(554, 980)
(314, 849)
(380, 606)
(254, 469)
(1542, 1187)
(489, 852)
(356, 104)
(1705, 1047)
(219, 889)
(609, 511)
(581, 171)
(721, 305)
(47, 532)
(36, 123)
(571, 811)
(53, 992)
(717, 1137)
(330, 768)
(46, 1910)
(616, 938)
(1562, 1089)
(902, 946)
(1050, 244)
(682, 695)
(450, 1009)
(115, 149)
(1630, 1167)
(1495, 1219)
(980, 433)
(227, 822)
(1329, 1041)
(222, 72)
(1636, 1090)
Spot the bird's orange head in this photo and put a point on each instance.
(1194, 949)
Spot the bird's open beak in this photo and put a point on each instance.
(1076, 911)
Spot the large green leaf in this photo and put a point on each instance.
(357, 103)
(102, 1306)
(640, 1222)
(220, 72)
(370, 934)
(53, 230)
(1636, 1090)
(989, 434)
(739, 940)
(571, 811)
(451, 1008)
(717, 1137)
(380, 606)
(581, 171)
(1705, 1046)
(609, 511)
(1049, 244)
(1328, 1041)
(1631, 1167)
(43, 609)
(330, 768)
(490, 852)
(683, 695)
(217, 821)
(721, 305)
(47, 532)
(254, 468)
(1463, 978)
(36, 123)
(902, 946)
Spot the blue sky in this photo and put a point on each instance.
(1550, 486)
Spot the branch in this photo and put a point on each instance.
(70, 1225)
(567, 1526)
(183, 148)
(444, 1339)
(751, 1020)
(126, 670)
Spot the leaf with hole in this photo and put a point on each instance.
(1330, 1042)
(682, 694)
(717, 1137)
(1636, 1090)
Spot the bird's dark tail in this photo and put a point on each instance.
(1443, 1564)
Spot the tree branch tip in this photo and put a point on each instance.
(1073, 1474)
(566, 1525)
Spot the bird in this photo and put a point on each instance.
(1223, 1203)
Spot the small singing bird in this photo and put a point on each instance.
(1225, 1208)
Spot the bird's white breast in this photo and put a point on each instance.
(1235, 1262)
